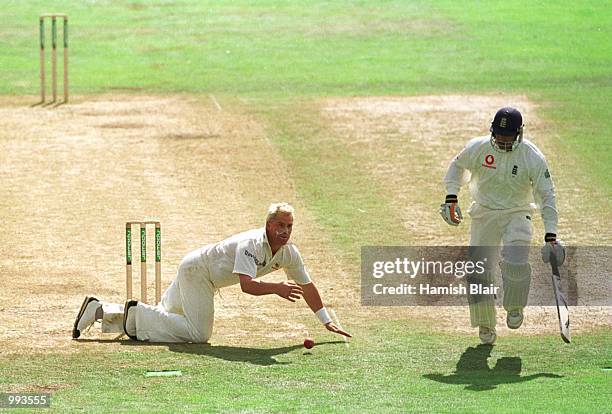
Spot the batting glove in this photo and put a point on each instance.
(450, 211)
(552, 245)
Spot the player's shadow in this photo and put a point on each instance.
(473, 371)
(257, 356)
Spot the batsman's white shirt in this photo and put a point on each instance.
(507, 181)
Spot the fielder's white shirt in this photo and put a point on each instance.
(505, 180)
(249, 253)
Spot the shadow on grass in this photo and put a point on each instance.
(48, 104)
(257, 356)
(473, 371)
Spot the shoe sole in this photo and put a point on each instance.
(511, 326)
(126, 309)
(75, 332)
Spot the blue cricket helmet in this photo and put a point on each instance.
(508, 121)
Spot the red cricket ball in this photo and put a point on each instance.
(308, 343)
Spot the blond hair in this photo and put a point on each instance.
(279, 208)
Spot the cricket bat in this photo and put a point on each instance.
(562, 309)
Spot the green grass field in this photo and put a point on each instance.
(280, 57)
(384, 371)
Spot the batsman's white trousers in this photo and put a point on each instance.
(186, 310)
(512, 228)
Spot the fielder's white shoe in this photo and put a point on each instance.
(514, 319)
(86, 316)
(487, 335)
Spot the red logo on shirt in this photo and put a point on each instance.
(489, 161)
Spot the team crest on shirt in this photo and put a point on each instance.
(489, 162)
(257, 262)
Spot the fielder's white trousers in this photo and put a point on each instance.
(186, 310)
(513, 229)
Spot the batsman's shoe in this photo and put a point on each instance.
(129, 321)
(86, 316)
(514, 319)
(487, 335)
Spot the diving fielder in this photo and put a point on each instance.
(505, 174)
(186, 310)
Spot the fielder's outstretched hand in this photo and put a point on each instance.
(333, 328)
(290, 291)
